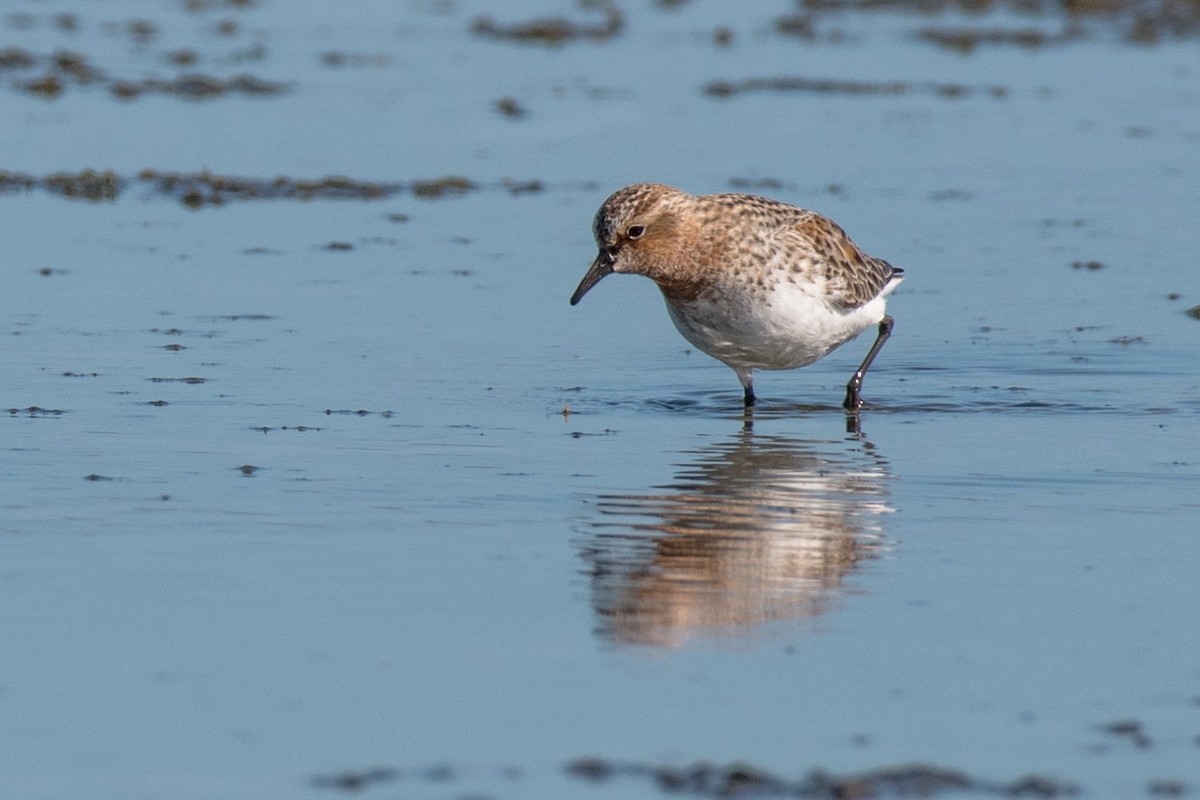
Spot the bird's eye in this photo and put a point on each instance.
(635, 231)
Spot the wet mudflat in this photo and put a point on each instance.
(313, 484)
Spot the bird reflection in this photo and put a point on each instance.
(753, 530)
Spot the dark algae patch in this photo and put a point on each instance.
(64, 70)
(451, 184)
(198, 189)
(356, 780)
(50, 73)
(1130, 730)
(1167, 788)
(1066, 21)
(359, 779)
(16, 58)
(745, 780)
(965, 40)
(357, 412)
(35, 411)
(86, 185)
(552, 31)
(509, 107)
(198, 87)
(837, 86)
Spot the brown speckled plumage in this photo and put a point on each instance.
(754, 282)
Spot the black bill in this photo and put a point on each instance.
(603, 265)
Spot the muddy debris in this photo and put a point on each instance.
(1167, 787)
(297, 428)
(759, 184)
(337, 58)
(739, 779)
(357, 780)
(1144, 22)
(14, 181)
(785, 85)
(799, 25)
(199, 189)
(75, 66)
(354, 781)
(16, 58)
(85, 185)
(142, 30)
(551, 31)
(1129, 729)
(509, 107)
(199, 87)
(195, 189)
(966, 40)
(359, 412)
(183, 57)
(64, 69)
(48, 86)
(515, 187)
(36, 411)
(215, 5)
(440, 187)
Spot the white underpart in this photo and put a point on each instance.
(795, 326)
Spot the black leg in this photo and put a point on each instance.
(854, 387)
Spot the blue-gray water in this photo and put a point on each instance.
(276, 513)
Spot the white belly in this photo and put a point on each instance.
(783, 328)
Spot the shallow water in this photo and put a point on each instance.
(303, 497)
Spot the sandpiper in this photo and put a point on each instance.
(753, 282)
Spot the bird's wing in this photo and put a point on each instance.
(849, 277)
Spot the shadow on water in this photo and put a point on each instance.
(751, 530)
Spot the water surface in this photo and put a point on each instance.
(308, 496)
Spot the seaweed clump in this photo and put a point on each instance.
(551, 31)
(85, 185)
(739, 779)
